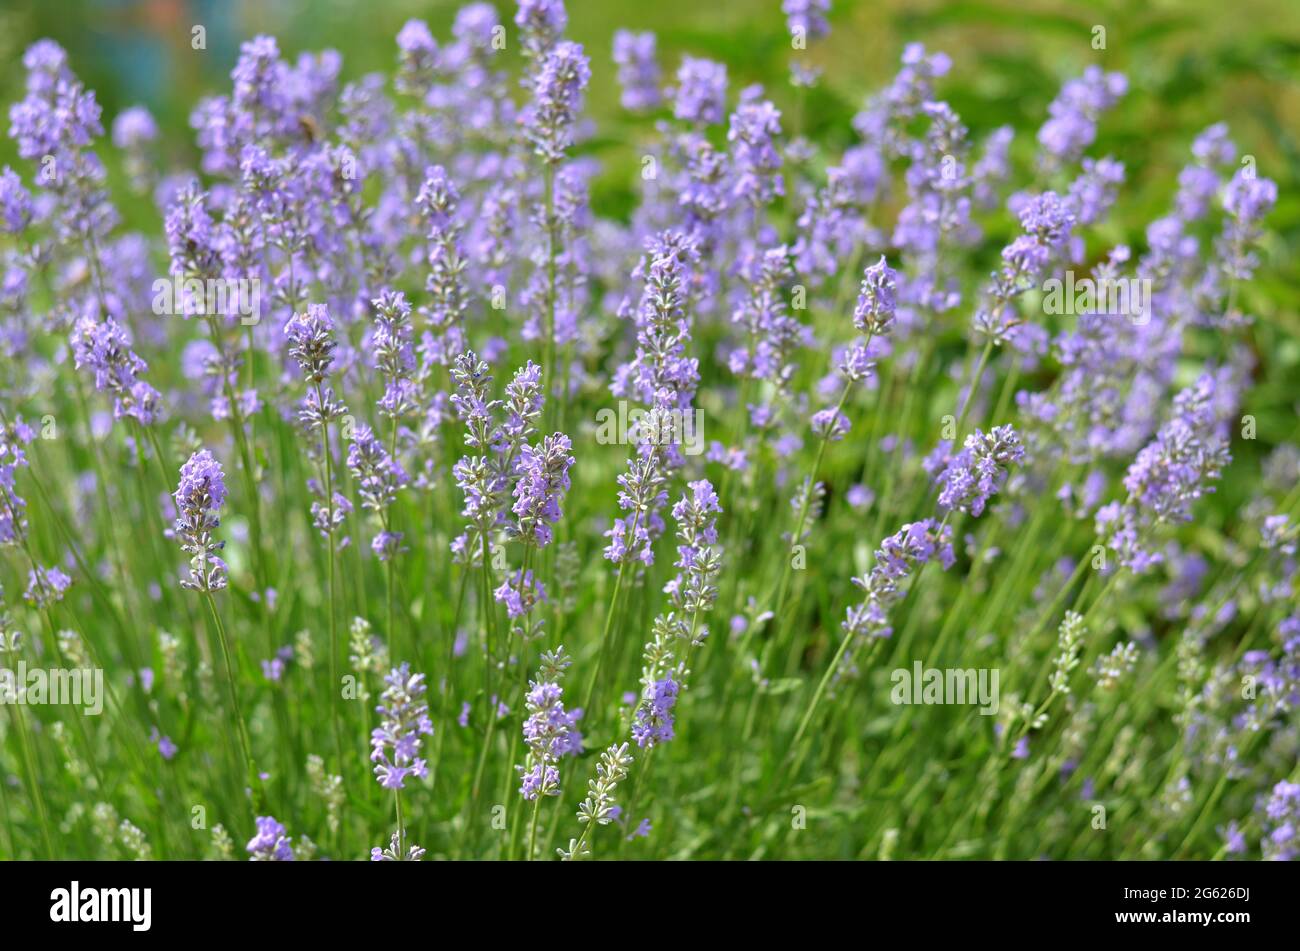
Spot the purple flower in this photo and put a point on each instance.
(1094, 191)
(378, 474)
(557, 99)
(439, 202)
(192, 234)
(1074, 114)
(103, 347)
(270, 844)
(701, 92)
(1167, 476)
(1247, 199)
(1281, 821)
(550, 731)
(386, 545)
(806, 18)
(899, 555)
(58, 117)
(166, 748)
(638, 72)
(134, 128)
(393, 853)
(311, 341)
(46, 586)
(417, 58)
(859, 497)
(1234, 841)
(520, 592)
(542, 484)
(1046, 220)
(201, 492)
(15, 202)
(877, 299)
(755, 127)
(395, 743)
(978, 471)
(830, 424)
(13, 521)
(541, 22)
(654, 716)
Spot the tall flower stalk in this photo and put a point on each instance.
(312, 345)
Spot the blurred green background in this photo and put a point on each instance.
(1190, 62)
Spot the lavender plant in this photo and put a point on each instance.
(814, 405)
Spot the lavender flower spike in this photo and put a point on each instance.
(270, 844)
(199, 496)
(543, 482)
(550, 731)
(977, 472)
(395, 743)
(638, 73)
(557, 99)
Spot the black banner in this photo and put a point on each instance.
(339, 900)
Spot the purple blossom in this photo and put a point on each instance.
(13, 520)
(395, 743)
(550, 731)
(755, 129)
(378, 475)
(444, 313)
(701, 92)
(899, 555)
(199, 496)
(543, 481)
(135, 128)
(520, 592)
(542, 23)
(46, 586)
(311, 341)
(15, 203)
(638, 71)
(1167, 476)
(877, 299)
(806, 18)
(1074, 114)
(979, 470)
(271, 844)
(654, 716)
(166, 748)
(557, 99)
(104, 348)
(1281, 822)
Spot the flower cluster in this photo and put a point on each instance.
(899, 555)
(393, 852)
(395, 743)
(271, 844)
(451, 248)
(199, 496)
(46, 586)
(807, 18)
(979, 470)
(379, 477)
(543, 480)
(654, 716)
(104, 348)
(550, 731)
(1281, 814)
(557, 99)
(679, 631)
(13, 507)
(638, 71)
(1171, 472)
